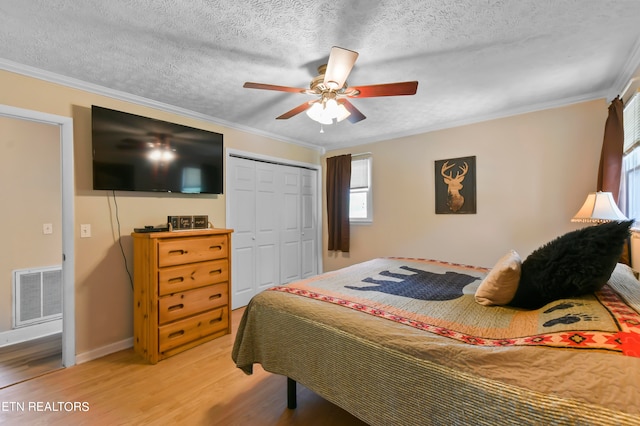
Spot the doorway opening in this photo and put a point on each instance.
(35, 343)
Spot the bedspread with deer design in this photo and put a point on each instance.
(438, 297)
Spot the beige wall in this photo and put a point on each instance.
(30, 198)
(103, 290)
(533, 173)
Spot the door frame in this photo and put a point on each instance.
(65, 125)
(276, 160)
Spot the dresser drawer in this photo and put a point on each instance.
(188, 250)
(184, 331)
(186, 277)
(180, 305)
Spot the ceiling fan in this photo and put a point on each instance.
(332, 91)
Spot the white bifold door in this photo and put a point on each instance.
(273, 212)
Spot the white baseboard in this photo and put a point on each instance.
(35, 331)
(45, 329)
(104, 351)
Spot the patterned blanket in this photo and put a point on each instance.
(438, 297)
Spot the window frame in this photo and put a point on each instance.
(368, 190)
(631, 150)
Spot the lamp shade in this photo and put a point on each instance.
(599, 207)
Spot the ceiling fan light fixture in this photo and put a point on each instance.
(342, 113)
(331, 86)
(326, 111)
(336, 111)
(317, 113)
(331, 108)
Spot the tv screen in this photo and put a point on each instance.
(134, 153)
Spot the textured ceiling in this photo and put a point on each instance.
(473, 59)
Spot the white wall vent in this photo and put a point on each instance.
(37, 295)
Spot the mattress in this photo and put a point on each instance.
(437, 357)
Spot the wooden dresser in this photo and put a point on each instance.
(181, 290)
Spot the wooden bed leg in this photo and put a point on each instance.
(291, 394)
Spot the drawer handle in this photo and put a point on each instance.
(175, 307)
(178, 252)
(215, 320)
(215, 296)
(175, 280)
(176, 334)
(215, 272)
(218, 247)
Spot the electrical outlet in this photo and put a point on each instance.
(47, 228)
(85, 230)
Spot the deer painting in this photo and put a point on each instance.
(454, 184)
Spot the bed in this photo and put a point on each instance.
(402, 341)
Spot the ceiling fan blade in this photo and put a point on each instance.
(390, 89)
(249, 85)
(356, 115)
(339, 66)
(297, 110)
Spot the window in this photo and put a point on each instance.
(360, 204)
(630, 188)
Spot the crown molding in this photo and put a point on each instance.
(558, 103)
(631, 66)
(138, 100)
(630, 69)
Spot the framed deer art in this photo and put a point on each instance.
(456, 185)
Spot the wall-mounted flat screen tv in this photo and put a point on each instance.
(135, 153)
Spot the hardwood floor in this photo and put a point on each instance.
(24, 361)
(201, 386)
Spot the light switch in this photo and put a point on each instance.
(85, 230)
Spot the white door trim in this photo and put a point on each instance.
(68, 253)
(260, 157)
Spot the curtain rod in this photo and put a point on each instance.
(360, 155)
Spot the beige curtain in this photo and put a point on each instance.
(612, 150)
(338, 189)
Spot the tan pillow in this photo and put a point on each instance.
(499, 287)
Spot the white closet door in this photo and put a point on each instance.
(309, 223)
(267, 216)
(242, 186)
(290, 268)
(273, 212)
